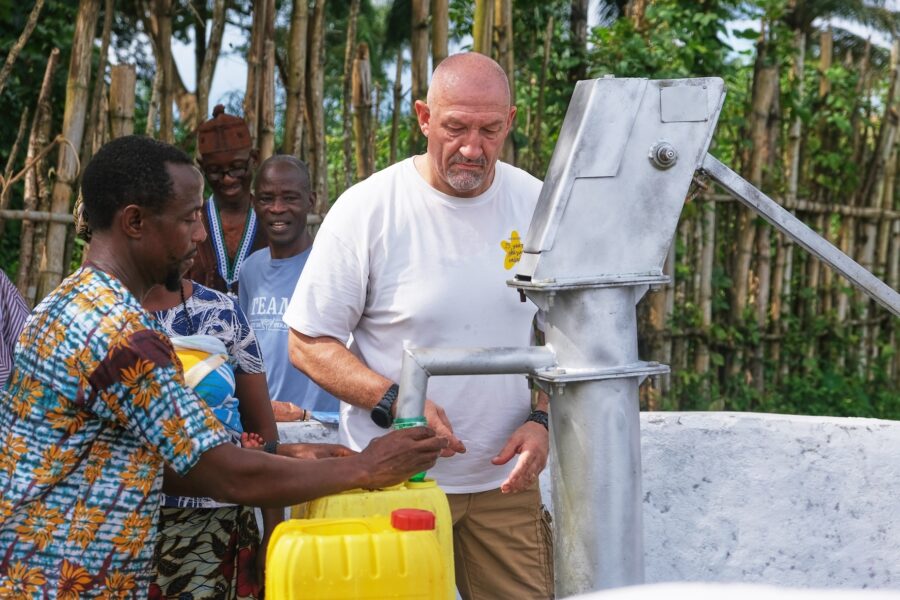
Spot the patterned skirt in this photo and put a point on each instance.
(206, 553)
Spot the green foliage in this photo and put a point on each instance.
(679, 38)
(823, 365)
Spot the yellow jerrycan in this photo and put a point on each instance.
(356, 558)
(425, 495)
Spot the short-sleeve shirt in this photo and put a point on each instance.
(266, 287)
(398, 263)
(213, 313)
(95, 405)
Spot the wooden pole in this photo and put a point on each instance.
(266, 128)
(36, 186)
(440, 20)
(419, 67)
(121, 99)
(506, 57)
(537, 161)
(395, 110)
(315, 99)
(483, 27)
(210, 59)
(166, 117)
(705, 292)
(93, 123)
(347, 104)
(67, 168)
(362, 113)
(255, 59)
(267, 104)
(296, 85)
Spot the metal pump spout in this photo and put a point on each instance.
(622, 167)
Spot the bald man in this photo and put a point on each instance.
(421, 252)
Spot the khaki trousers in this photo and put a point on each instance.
(502, 545)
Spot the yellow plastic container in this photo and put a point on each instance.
(425, 495)
(318, 559)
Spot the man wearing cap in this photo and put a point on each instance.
(228, 160)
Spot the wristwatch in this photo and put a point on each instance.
(539, 416)
(381, 413)
(271, 447)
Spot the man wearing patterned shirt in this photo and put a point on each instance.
(96, 404)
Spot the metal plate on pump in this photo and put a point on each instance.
(605, 210)
(683, 104)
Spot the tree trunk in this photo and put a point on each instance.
(483, 27)
(67, 168)
(362, 113)
(166, 98)
(347, 103)
(36, 185)
(20, 43)
(395, 111)
(121, 100)
(419, 66)
(578, 27)
(440, 26)
(185, 100)
(315, 98)
(266, 126)
(200, 11)
(255, 67)
(506, 57)
(93, 123)
(296, 88)
(266, 142)
(210, 59)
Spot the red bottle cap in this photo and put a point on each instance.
(412, 519)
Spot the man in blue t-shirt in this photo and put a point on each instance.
(282, 200)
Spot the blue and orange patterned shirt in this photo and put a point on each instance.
(95, 405)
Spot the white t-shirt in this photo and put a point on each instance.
(397, 261)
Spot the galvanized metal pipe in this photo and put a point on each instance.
(798, 231)
(420, 363)
(595, 439)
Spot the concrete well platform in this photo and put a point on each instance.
(758, 498)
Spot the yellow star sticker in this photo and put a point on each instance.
(513, 249)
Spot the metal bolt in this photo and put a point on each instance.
(663, 155)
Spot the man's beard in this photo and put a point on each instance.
(173, 280)
(465, 180)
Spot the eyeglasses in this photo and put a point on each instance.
(234, 173)
(290, 200)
